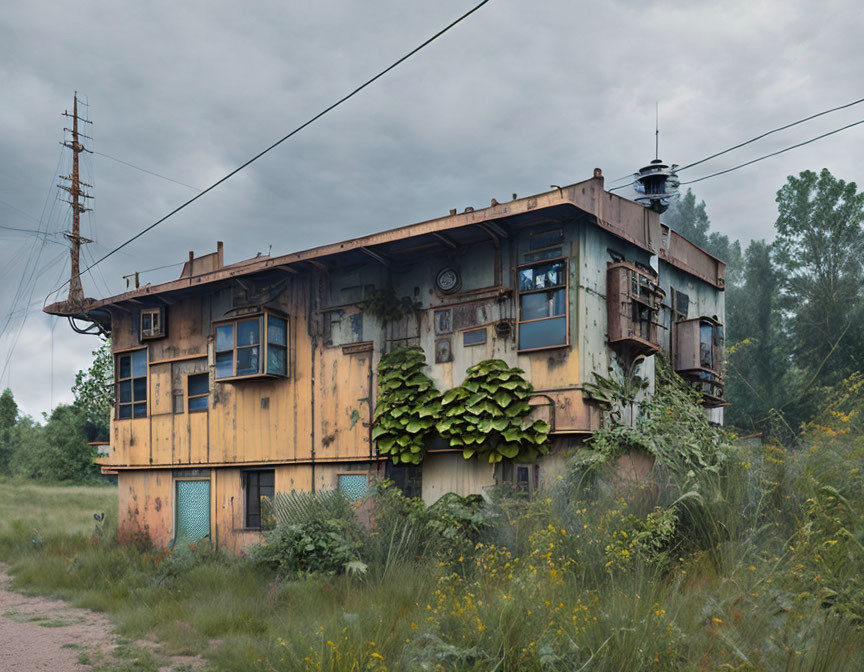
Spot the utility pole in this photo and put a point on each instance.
(76, 291)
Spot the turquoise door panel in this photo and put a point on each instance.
(192, 513)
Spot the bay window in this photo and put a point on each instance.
(253, 346)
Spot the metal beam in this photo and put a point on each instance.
(444, 239)
(377, 257)
(492, 224)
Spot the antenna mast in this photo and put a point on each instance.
(76, 291)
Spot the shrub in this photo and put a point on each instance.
(314, 547)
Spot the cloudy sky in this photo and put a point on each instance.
(519, 96)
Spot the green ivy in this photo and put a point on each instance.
(408, 406)
(386, 306)
(487, 415)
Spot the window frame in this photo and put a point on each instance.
(263, 318)
(190, 396)
(159, 312)
(118, 380)
(246, 473)
(475, 330)
(520, 293)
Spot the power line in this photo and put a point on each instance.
(747, 142)
(776, 130)
(291, 134)
(761, 158)
(149, 172)
(768, 156)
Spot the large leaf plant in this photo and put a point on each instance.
(488, 415)
(408, 406)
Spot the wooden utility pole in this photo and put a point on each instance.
(76, 291)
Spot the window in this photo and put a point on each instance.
(407, 477)
(633, 302)
(543, 305)
(254, 346)
(475, 337)
(152, 323)
(131, 377)
(544, 244)
(699, 356)
(198, 386)
(522, 477)
(257, 484)
(353, 485)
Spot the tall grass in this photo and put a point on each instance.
(749, 567)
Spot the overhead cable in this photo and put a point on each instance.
(776, 130)
(283, 139)
(768, 156)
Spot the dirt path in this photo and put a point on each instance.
(37, 633)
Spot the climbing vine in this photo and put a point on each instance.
(488, 415)
(408, 406)
(386, 306)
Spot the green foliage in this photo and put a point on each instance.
(57, 452)
(758, 378)
(690, 219)
(294, 508)
(408, 406)
(8, 419)
(94, 392)
(313, 547)
(671, 427)
(820, 252)
(405, 530)
(488, 415)
(386, 307)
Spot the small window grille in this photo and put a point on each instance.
(353, 486)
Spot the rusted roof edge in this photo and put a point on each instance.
(569, 195)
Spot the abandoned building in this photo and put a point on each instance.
(236, 381)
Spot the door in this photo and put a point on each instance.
(192, 512)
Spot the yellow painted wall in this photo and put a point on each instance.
(145, 506)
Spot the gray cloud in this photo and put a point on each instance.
(520, 96)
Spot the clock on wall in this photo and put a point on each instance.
(447, 280)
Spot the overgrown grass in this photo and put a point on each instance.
(754, 561)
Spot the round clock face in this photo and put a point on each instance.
(447, 280)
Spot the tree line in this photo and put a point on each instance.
(794, 305)
(60, 449)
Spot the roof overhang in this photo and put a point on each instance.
(621, 217)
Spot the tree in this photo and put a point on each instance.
(690, 219)
(758, 374)
(57, 452)
(94, 393)
(819, 250)
(8, 419)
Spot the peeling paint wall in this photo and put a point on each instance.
(315, 424)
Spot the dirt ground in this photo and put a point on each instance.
(37, 633)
